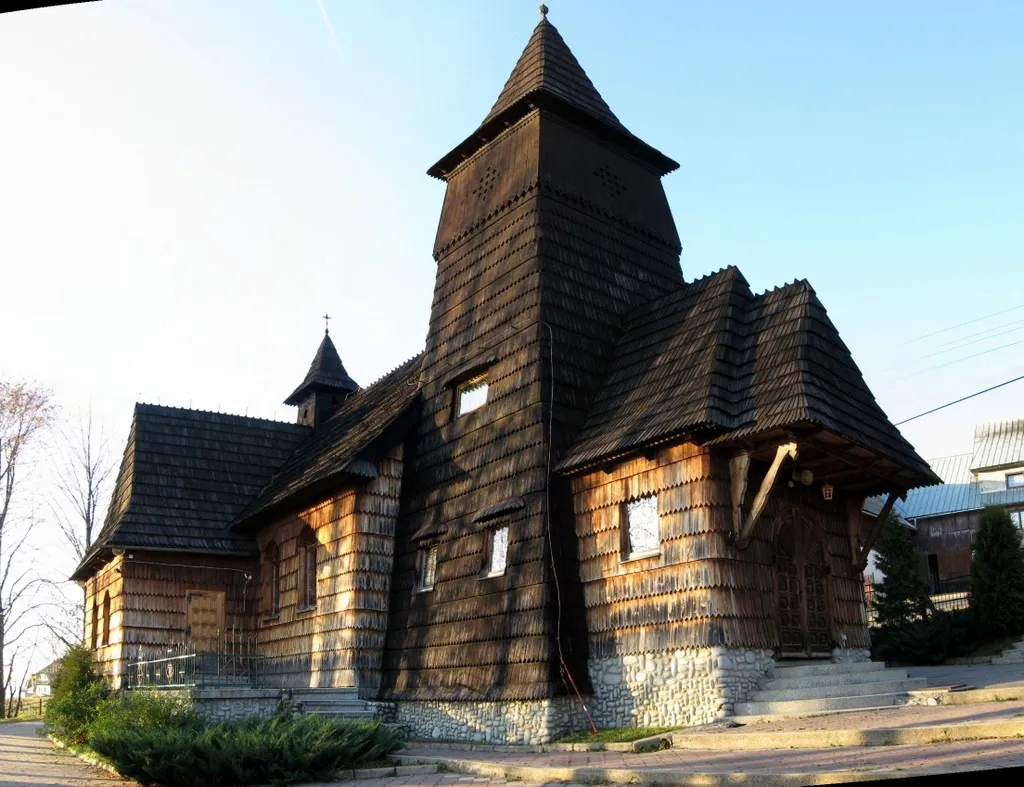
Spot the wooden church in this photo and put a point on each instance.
(599, 482)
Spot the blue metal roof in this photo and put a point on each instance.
(998, 445)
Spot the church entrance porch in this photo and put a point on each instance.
(801, 590)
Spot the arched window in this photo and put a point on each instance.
(106, 619)
(306, 549)
(95, 622)
(271, 581)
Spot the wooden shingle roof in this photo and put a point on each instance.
(326, 373)
(338, 447)
(715, 361)
(185, 476)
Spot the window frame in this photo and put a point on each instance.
(627, 552)
(425, 556)
(1019, 485)
(306, 550)
(488, 572)
(95, 621)
(461, 388)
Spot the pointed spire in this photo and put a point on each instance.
(548, 76)
(548, 66)
(326, 373)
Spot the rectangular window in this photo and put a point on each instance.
(497, 552)
(1018, 519)
(426, 569)
(471, 395)
(643, 534)
(1014, 480)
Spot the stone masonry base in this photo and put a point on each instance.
(527, 721)
(674, 688)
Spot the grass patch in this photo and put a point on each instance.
(1000, 698)
(620, 735)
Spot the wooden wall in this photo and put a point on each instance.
(339, 643)
(156, 585)
(699, 591)
(107, 581)
(939, 534)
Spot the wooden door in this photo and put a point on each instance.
(204, 619)
(802, 591)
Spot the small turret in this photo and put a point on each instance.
(325, 387)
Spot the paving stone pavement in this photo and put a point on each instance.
(28, 760)
(901, 716)
(949, 757)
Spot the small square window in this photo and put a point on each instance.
(497, 552)
(643, 535)
(426, 569)
(1014, 480)
(472, 395)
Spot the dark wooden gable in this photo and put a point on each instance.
(554, 227)
(185, 476)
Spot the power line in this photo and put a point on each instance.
(964, 341)
(958, 360)
(962, 324)
(961, 399)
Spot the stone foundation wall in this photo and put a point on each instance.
(681, 687)
(229, 704)
(528, 721)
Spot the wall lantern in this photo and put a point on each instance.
(826, 490)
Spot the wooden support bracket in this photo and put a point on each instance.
(876, 528)
(781, 453)
(739, 466)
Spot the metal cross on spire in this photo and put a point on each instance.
(327, 326)
(543, 11)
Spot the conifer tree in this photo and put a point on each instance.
(997, 576)
(898, 597)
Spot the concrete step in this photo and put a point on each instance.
(1009, 657)
(873, 688)
(1018, 645)
(825, 705)
(790, 670)
(842, 679)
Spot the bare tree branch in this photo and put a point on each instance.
(25, 413)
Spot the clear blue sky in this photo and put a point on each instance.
(189, 185)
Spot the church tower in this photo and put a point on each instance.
(554, 227)
(325, 386)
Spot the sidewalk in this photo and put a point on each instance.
(28, 760)
(696, 766)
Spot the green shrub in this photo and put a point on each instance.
(941, 636)
(142, 709)
(253, 751)
(76, 695)
(899, 596)
(997, 576)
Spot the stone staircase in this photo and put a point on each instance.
(809, 688)
(1014, 655)
(332, 702)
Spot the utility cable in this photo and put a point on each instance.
(962, 324)
(957, 401)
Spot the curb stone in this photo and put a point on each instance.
(349, 775)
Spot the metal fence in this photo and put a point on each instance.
(236, 662)
(943, 595)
